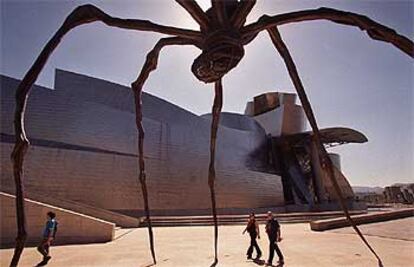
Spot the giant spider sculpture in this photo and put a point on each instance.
(221, 38)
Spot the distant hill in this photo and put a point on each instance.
(367, 189)
(402, 184)
(377, 189)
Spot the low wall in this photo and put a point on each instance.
(361, 219)
(73, 228)
(106, 215)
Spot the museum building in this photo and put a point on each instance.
(83, 153)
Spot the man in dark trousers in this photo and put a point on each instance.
(273, 231)
(49, 233)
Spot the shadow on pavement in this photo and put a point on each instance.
(42, 263)
(262, 263)
(214, 263)
(259, 262)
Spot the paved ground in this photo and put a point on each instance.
(402, 229)
(192, 246)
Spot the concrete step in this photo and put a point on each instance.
(328, 224)
(170, 221)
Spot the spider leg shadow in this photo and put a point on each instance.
(262, 263)
(42, 263)
(259, 262)
(214, 263)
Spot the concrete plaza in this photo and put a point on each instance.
(193, 246)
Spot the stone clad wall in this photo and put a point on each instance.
(84, 144)
(284, 120)
(73, 228)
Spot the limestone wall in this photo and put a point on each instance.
(326, 190)
(73, 228)
(117, 218)
(286, 119)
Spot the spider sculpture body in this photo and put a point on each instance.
(221, 39)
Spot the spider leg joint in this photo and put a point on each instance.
(84, 14)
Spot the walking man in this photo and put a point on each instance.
(49, 233)
(253, 229)
(274, 234)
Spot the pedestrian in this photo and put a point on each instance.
(253, 229)
(49, 233)
(274, 234)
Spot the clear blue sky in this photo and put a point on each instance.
(351, 80)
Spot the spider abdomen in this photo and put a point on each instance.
(221, 52)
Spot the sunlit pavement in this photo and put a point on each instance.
(193, 246)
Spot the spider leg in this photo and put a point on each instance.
(17, 156)
(323, 155)
(219, 8)
(374, 29)
(218, 103)
(239, 17)
(196, 12)
(149, 65)
(81, 15)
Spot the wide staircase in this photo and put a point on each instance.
(296, 217)
(123, 221)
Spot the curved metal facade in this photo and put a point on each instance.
(83, 149)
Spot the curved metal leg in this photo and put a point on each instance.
(81, 15)
(323, 155)
(218, 103)
(149, 65)
(374, 29)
